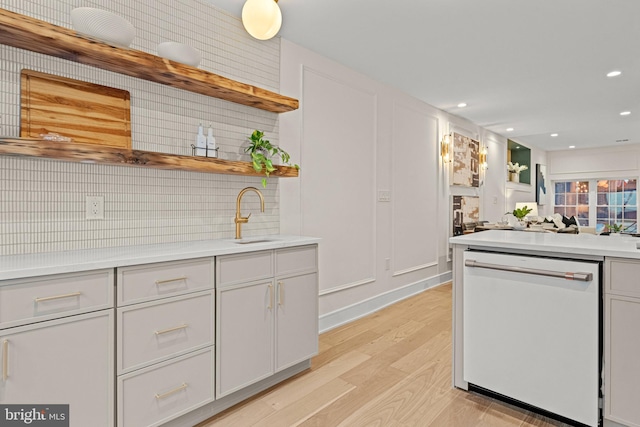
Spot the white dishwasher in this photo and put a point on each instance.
(532, 331)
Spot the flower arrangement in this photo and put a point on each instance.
(516, 167)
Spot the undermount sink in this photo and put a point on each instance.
(255, 240)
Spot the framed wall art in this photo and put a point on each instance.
(466, 163)
(541, 184)
(464, 209)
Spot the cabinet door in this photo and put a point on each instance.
(622, 347)
(65, 361)
(244, 335)
(296, 320)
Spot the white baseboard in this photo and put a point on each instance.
(207, 411)
(350, 313)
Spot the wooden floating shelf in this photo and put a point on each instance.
(91, 153)
(32, 34)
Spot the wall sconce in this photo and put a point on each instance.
(482, 158)
(261, 18)
(445, 148)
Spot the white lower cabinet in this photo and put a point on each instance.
(159, 393)
(165, 327)
(63, 361)
(244, 335)
(264, 325)
(622, 342)
(62, 341)
(296, 319)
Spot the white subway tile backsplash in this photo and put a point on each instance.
(42, 202)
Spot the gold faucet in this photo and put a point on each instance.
(239, 218)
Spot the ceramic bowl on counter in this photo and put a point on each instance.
(179, 52)
(103, 25)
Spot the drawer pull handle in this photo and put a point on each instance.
(175, 328)
(280, 293)
(270, 297)
(169, 393)
(43, 299)
(5, 360)
(177, 279)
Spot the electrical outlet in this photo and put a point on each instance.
(95, 207)
(387, 263)
(384, 195)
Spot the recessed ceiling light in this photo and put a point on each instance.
(462, 105)
(509, 129)
(554, 135)
(572, 146)
(615, 73)
(625, 113)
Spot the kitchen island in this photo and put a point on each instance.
(594, 306)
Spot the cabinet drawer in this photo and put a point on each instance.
(24, 301)
(233, 269)
(154, 331)
(623, 277)
(159, 393)
(303, 259)
(153, 281)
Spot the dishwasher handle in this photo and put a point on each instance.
(583, 277)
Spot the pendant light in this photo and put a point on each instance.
(261, 18)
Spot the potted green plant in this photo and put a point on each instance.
(262, 152)
(521, 213)
(615, 228)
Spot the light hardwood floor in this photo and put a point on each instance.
(391, 368)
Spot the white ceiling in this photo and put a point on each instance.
(538, 66)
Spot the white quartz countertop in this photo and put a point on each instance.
(567, 244)
(20, 266)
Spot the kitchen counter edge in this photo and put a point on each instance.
(566, 244)
(42, 264)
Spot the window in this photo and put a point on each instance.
(597, 203)
(617, 204)
(572, 199)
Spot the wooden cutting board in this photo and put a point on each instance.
(87, 112)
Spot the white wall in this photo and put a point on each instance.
(611, 162)
(358, 140)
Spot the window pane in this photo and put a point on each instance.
(616, 202)
(583, 214)
(602, 213)
(630, 198)
(574, 201)
(570, 211)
